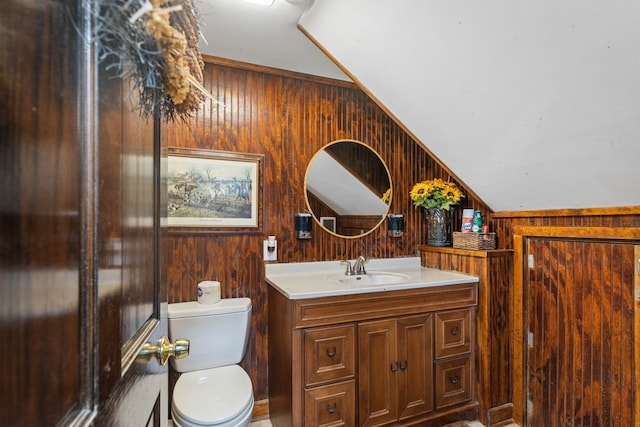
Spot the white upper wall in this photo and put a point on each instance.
(533, 105)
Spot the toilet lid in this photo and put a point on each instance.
(212, 396)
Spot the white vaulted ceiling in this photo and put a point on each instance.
(533, 105)
(263, 35)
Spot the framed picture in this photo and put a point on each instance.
(328, 222)
(214, 191)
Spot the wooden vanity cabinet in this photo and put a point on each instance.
(372, 359)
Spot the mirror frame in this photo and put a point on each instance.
(306, 197)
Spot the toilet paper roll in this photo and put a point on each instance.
(208, 292)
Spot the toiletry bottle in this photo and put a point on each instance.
(467, 220)
(476, 225)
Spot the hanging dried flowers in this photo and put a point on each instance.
(154, 43)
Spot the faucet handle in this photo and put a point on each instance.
(349, 271)
(359, 265)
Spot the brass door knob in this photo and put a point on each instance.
(163, 350)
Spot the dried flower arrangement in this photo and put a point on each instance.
(154, 43)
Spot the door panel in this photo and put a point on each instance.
(129, 250)
(139, 398)
(81, 282)
(581, 323)
(41, 276)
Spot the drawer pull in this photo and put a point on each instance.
(404, 367)
(454, 331)
(330, 409)
(455, 379)
(394, 367)
(331, 352)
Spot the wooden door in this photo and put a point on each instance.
(581, 356)
(415, 358)
(81, 283)
(377, 372)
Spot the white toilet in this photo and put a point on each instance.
(213, 390)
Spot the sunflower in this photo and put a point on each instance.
(436, 193)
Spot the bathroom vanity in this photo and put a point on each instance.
(396, 350)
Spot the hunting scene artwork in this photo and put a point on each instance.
(212, 189)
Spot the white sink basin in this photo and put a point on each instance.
(326, 278)
(373, 278)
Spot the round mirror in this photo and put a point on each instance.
(348, 188)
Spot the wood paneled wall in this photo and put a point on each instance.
(503, 223)
(580, 359)
(287, 117)
(555, 301)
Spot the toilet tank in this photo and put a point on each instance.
(218, 333)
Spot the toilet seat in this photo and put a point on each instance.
(218, 397)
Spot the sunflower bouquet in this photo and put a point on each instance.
(436, 193)
(386, 197)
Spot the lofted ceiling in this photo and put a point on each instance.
(264, 35)
(533, 105)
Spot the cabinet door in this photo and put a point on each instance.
(329, 354)
(415, 365)
(377, 372)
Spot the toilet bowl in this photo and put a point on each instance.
(212, 390)
(220, 397)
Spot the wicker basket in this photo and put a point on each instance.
(475, 241)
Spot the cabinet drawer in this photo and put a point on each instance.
(331, 405)
(453, 381)
(453, 333)
(329, 354)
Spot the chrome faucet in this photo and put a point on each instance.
(358, 265)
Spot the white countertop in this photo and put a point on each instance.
(318, 279)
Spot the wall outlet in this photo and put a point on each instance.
(270, 250)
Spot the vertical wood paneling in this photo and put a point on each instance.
(581, 318)
(287, 118)
(503, 224)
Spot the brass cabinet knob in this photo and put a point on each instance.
(163, 350)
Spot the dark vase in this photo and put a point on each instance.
(438, 226)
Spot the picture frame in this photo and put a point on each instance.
(214, 191)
